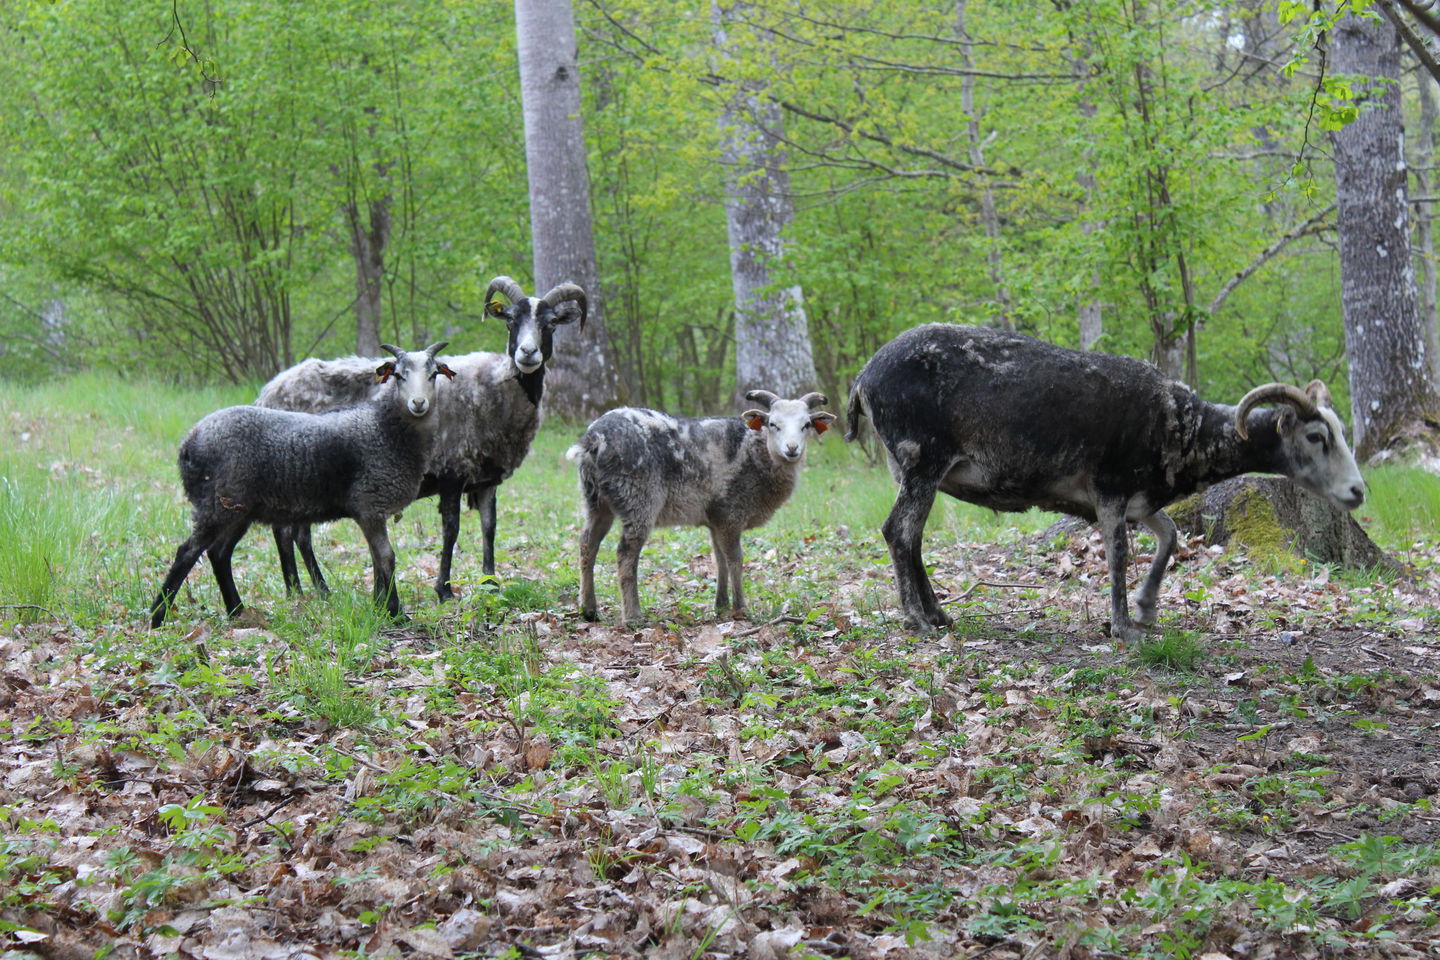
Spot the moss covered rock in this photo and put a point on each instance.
(1278, 524)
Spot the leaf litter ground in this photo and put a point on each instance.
(502, 780)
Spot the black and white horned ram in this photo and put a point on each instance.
(246, 464)
(488, 415)
(650, 470)
(1009, 422)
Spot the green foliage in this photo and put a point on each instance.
(196, 217)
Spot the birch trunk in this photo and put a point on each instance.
(1392, 392)
(581, 380)
(772, 334)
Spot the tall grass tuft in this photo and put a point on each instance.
(1402, 507)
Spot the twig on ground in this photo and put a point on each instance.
(991, 583)
(783, 618)
(29, 606)
(265, 817)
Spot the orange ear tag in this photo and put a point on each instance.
(820, 426)
(755, 423)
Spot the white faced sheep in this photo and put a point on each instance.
(488, 416)
(244, 465)
(1009, 422)
(650, 469)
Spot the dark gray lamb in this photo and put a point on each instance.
(650, 470)
(1009, 422)
(488, 415)
(244, 465)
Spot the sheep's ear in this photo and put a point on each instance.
(568, 312)
(383, 372)
(754, 419)
(495, 308)
(441, 368)
(821, 422)
(1287, 420)
(1319, 393)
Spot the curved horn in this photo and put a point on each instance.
(813, 400)
(568, 291)
(1271, 393)
(505, 285)
(762, 396)
(395, 350)
(435, 348)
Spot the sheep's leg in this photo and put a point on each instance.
(1111, 517)
(220, 552)
(1163, 527)
(312, 566)
(633, 535)
(729, 562)
(285, 547)
(903, 530)
(186, 555)
(598, 520)
(382, 555)
(449, 533)
(722, 571)
(487, 529)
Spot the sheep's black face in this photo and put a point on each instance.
(532, 324)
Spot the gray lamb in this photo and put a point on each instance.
(488, 416)
(247, 464)
(725, 473)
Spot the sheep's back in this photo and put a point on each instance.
(278, 466)
(670, 470)
(315, 386)
(486, 422)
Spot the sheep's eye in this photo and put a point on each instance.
(1319, 438)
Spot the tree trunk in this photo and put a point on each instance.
(1393, 398)
(772, 334)
(1425, 220)
(1277, 523)
(367, 244)
(581, 381)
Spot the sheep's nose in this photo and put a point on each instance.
(1357, 493)
(792, 450)
(418, 406)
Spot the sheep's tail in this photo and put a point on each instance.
(854, 414)
(576, 452)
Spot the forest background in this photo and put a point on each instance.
(212, 191)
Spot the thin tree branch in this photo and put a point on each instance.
(1311, 225)
(1416, 45)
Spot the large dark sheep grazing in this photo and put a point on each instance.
(1009, 422)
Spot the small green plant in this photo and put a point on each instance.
(1176, 650)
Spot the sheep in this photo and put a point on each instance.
(248, 464)
(725, 473)
(487, 416)
(1009, 422)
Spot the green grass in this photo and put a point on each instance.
(1402, 508)
(91, 512)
